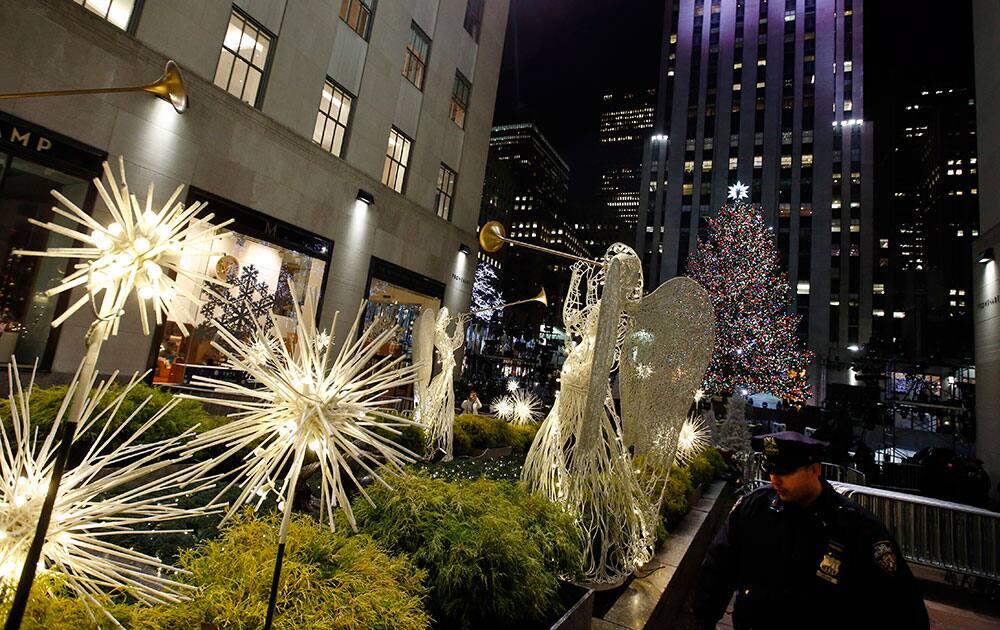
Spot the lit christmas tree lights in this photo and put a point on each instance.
(756, 346)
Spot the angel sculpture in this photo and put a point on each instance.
(437, 407)
(608, 470)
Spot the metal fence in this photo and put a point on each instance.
(931, 532)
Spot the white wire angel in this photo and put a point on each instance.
(581, 457)
(438, 408)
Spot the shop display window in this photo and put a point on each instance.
(258, 272)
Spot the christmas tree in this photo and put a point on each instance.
(756, 346)
(485, 293)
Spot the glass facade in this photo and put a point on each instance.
(259, 263)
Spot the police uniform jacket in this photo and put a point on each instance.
(828, 565)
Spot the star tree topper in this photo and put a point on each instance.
(738, 191)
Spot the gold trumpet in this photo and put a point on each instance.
(493, 236)
(541, 297)
(169, 87)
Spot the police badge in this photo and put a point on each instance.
(885, 557)
(829, 566)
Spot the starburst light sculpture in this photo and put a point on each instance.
(309, 400)
(132, 253)
(503, 408)
(693, 439)
(114, 488)
(527, 408)
(512, 385)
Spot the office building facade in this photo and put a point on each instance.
(299, 114)
(769, 93)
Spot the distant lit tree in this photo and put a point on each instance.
(756, 344)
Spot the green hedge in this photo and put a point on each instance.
(475, 434)
(329, 580)
(45, 403)
(700, 471)
(491, 550)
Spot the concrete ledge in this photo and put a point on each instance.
(660, 588)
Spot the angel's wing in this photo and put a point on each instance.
(664, 357)
(423, 346)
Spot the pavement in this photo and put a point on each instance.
(943, 616)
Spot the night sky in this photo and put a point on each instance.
(561, 56)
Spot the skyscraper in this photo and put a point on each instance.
(923, 279)
(770, 94)
(626, 118)
(541, 183)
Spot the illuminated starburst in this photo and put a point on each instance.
(694, 438)
(699, 394)
(738, 191)
(111, 490)
(527, 407)
(309, 400)
(133, 252)
(503, 408)
(512, 385)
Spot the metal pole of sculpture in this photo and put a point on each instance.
(132, 253)
(309, 401)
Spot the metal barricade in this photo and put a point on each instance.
(950, 536)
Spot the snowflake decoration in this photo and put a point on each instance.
(133, 252)
(643, 371)
(694, 438)
(503, 408)
(308, 400)
(107, 493)
(242, 309)
(527, 408)
(738, 191)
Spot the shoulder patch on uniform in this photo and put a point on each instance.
(885, 557)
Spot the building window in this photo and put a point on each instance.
(358, 15)
(878, 289)
(118, 12)
(460, 99)
(445, 192)
(397, 158)
(474, 18)
(244, 57)
(802, 287)
(415, 59)
(332, 119)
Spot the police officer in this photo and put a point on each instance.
(800, 555)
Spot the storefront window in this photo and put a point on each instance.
(258, 271)
(25, 311)
(398, 295)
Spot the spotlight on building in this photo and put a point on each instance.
(365, 197)
(464, 249)
(986, 256)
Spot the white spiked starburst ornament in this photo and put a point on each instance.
(503, 408)
(308, 401)
(527, 408)
(111, 490)
(738, 191)
(694, 438)
(135, 252)
(512, 385)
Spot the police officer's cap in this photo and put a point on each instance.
(787, 451)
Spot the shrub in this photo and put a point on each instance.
(675, 494)
(491, 550)
(475, 434)
(45, 403)
(329, 580)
